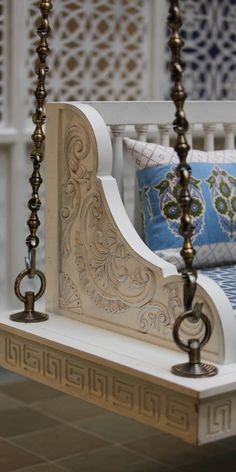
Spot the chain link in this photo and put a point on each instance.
(194, 368)
(38, 137)
(182, 147)
(37, 154)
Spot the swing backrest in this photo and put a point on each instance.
(212, 126)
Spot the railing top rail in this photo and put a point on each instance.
(162, 112)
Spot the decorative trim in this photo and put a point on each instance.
(69, 297)
(192, 419)
(107, 387)
(219, 417)
(114, 286)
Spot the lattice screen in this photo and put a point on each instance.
(99, 49)
(210, 52)
(2, 61)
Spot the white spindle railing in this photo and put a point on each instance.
(118, 132)
(209, 136)
(141, 131)
(229, 134)
(189, 136)
(164, 131)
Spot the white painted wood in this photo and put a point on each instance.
(229, 132)
(141, 131)
(209, 136)
(111, 344)
(107, 253)
(118, 132)
(63, 353)
(124, 375)
(162, 112)
(164, 131)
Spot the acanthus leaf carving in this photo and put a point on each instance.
(68, 294)
(155, 317)
(75, 173)
(108, 263)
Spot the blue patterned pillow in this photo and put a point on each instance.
(213, 210)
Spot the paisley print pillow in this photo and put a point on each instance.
(213, 211)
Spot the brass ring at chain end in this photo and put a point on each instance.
(179, 321)
(19, 279)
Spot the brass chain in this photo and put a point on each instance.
(194, 368)
(37, 156)
(182, 147)
(38, 137)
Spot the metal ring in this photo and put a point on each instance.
(179, 321)
(19, 279)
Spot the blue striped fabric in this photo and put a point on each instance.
(225, 277)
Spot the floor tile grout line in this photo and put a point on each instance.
(93, 451)
(45, 459)
(154, 460)
(80, 428)
(24, 469)
(138, 454)
(74, 426)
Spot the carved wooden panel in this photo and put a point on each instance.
(100, 277)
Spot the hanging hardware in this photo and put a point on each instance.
(29, 315)
(193, 368)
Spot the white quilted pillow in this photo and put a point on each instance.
(152, 155)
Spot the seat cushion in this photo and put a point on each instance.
(225, 277)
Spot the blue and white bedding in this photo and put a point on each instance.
(225, 277)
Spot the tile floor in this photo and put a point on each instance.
(43, 430)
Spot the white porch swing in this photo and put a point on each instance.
(112, 302)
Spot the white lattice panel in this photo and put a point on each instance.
(99, 49)
(2, 60)
(210, 36)
(209, 32)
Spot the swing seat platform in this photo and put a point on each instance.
(122, 374)
(111, 301)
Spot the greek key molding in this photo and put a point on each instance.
(107, 387)
(192, 419)
(177, 413)
(219, 417)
